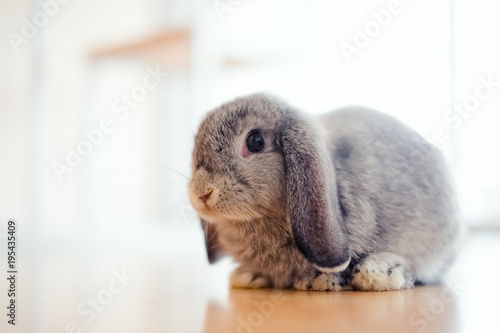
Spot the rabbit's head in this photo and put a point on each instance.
(258, 157)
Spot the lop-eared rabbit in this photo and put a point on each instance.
(352, 199)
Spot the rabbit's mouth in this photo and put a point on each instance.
(214, 212)
(213, 200)
(202, 207)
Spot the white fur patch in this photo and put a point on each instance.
(376, 275)
(326, 282)
(323, 282)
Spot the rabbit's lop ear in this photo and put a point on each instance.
(312, 200)
(214, 249)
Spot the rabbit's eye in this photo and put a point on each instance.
(255, 142)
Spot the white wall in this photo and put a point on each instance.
(51, 90)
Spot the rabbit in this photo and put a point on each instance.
(350, 200)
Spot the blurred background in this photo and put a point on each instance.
(100, 101)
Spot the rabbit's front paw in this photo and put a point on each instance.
(382, 272)
(246, 279)
(321, 282)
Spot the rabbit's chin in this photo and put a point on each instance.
(213, 216)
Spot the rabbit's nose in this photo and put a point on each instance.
(207, 196)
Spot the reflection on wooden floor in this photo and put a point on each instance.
(275, 311)
(173, 290)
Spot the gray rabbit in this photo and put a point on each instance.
(353, 199)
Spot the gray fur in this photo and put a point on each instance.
(352, 185)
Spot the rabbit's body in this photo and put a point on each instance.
(359, 201)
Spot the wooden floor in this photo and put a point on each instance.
(173, 290)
